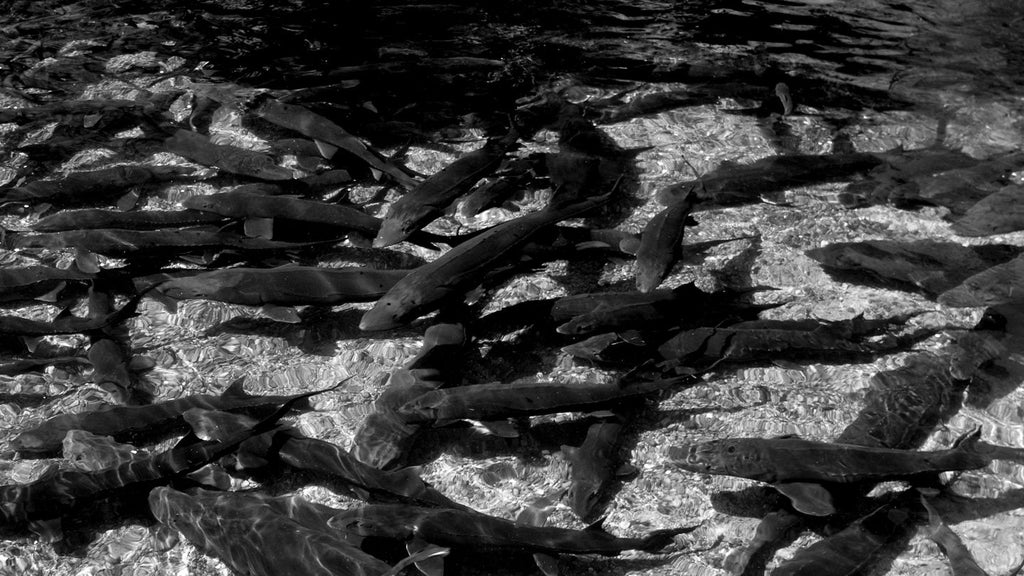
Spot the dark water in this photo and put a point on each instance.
(426, 83)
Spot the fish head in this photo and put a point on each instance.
(392, 231)
(188, 288)
(174, 508)
(582, 324)
(33, 441)
(731, 457)
(586, 498)
(388, 312)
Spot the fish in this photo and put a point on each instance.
(928, 266)
(796, 467)
(998, 213)
(773, 341)
(42, 283)
(998, 285)
(285, 285)
(383, 440)
(455, 529)
(325, 460)
(850, 550)
(237, 528)
(660, 243)
(321, 129)
(463, 267)
(427, 201)
(488, 402)
(41, 504)
(147, 243)
(92, 218)
(131, 423)
(93, 186)
(732, 184)
(251, 205)
(595, 465)
(233, 159)
(511, 179)
(67, 323)
(960, 558)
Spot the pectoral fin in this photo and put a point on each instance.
(259, 228)
(326, 150)
(429, 559)
(807, 497)
(51, 296)
(547, 563)
(128, 201)
(86, 261)
(285, 314)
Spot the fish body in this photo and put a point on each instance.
(40, 503)
(427, 201)
(135, 243)
(319, 128)
(66, 323)
(93, 218)
(998, 285)
(92, 186)
(129, 422)
(487, 402)
(461, 268)
(594, 469)
(37, 282)
(792, 459)
(660, 243)
(250, 205)
(456, 528)
(239, 528)
(285, 285)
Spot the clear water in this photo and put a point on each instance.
(865, 75)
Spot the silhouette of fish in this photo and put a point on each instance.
(463, 267)
(426, 202)
(126, 423)
(251, 534)
(795, 466)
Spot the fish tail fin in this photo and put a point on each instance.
(968, 441)
(659, 539)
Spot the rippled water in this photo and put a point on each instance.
(865, 75)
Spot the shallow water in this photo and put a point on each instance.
(866, 76)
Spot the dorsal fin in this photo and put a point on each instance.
(236, 391)
(597, 526)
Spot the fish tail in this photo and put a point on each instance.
(659, 539)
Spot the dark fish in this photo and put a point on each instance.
(233, 159)
(487, 402)
(732, 184)
(126, 423)
(285, 285)
(569, 307)
(960, 558)
(755, 341)
(927, 265)
(136, 220)
(849, 551)
(40, 505)
(596, 464)
(142, 243)
(94, 186)
(383, 440)
(997, 213)
(323, 459)
(660, 243)
(323, 130)
(461, 268)
(43, 283)
(426, 202)
(250, 205)
(795, 466)
(253, 537)
(511, 179)
(456, 528)
(998, 285)
(66, 323)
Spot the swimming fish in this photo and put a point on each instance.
(125, 423)
(795, 466)
(463, 267)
